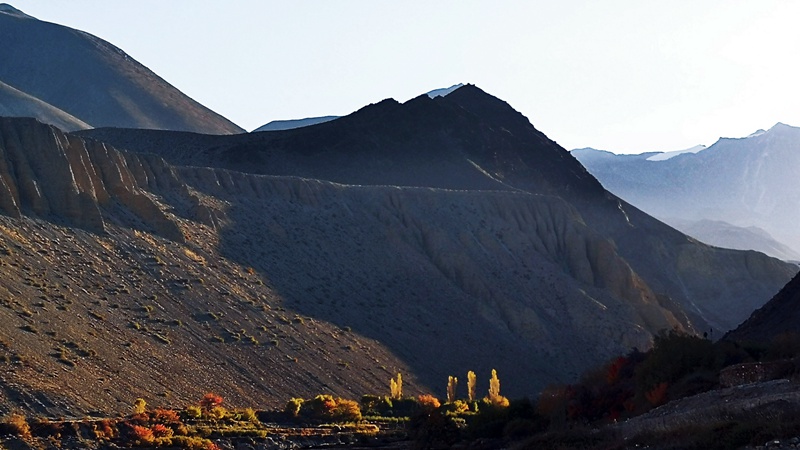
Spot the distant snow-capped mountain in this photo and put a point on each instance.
(746, 182)
(668, 155)
(291, 124)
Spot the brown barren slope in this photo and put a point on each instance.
(125, 277)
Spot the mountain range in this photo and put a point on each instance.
(430, 237)
(745, 182)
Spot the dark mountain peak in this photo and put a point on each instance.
(5, 8)
(487, 106)
(381, 107)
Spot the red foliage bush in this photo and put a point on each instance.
(142, 435)
(165, 416)
(210, 400)
(428, 402)
(161, 431)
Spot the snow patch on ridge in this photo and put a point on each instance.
(669, 155)
(291, 124)
(444, 91)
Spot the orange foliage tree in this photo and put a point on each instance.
(210, 401)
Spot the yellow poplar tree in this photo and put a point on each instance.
(494, 396)
(494, 385)
(471, 382)
(396, 387)
(452, 383)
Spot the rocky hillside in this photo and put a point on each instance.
(263, 287)
(94, 82)
(470, 140)
(746, 182)
(113, 287)
(124, 275)
(778, 317)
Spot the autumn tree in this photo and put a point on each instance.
(471, 383)
(139, 406)
(452, 383)
(494, 396)
(396, 387)
(210, 401)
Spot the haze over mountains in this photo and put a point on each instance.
(746, 182)
(432, 237)
(77, 79)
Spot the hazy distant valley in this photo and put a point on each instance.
(737, 193)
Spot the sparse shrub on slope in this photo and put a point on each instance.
(16, 425)
(376, 405)
(293, 406)
(139, 406)
(324, 408)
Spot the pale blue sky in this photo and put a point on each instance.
(622, 75)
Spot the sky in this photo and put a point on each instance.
(623, 75)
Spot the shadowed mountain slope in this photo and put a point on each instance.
(93, 81)
(470, 140)
(780, 316)
(15, 103)
(263, 287)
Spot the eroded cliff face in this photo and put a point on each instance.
(432, 282)
(270, 287)
(46, 174)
